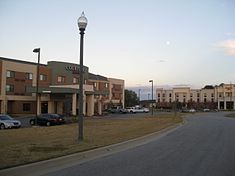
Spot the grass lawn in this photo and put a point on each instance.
(26, 145)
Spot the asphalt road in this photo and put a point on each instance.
(204, 146)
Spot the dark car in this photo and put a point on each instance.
(48, 119)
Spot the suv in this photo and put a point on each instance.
(48, 119)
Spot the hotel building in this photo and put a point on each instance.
(58, 89)
(220, 97)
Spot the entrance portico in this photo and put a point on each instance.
(63, 100)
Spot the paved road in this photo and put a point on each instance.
(204, 146)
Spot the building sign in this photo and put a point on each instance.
(75, 69)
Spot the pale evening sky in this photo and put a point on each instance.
(173, 42)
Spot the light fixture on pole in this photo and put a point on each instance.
(37, 50)
(152, 94)
(82, 23)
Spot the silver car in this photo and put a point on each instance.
(8, 122)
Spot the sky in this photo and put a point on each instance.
(173, 42)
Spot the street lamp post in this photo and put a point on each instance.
(152, 94)
(82, 23)
(37, 50)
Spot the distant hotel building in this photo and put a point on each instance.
(211, 97)
(58, 89)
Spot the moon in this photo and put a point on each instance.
(168, 42)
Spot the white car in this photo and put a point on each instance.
(8, 122)
(192, 110)
(137, 109)
(131, 110)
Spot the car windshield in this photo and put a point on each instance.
(5, 117)
(55, 116)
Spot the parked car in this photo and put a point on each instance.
(130, 110)
(137, 109)
(117, 109)
(7, 121)
(48, 119)
(192, 110)
(206, 110)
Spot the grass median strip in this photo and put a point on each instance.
(26, 145)
(232, 115)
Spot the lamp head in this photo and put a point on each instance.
(36, 50)
(82, 22)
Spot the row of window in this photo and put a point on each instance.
(10, 88)
(227, 94)
(42, 77)
(28, 76)
(184, 100)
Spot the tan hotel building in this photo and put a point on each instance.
(58, 89)
(212, 97)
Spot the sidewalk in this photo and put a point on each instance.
(43, 167)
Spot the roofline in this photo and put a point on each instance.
(20, 61)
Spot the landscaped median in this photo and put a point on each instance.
(26, 145)
(232, 115)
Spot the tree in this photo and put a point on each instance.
(131, 98)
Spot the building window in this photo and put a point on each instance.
(198, 94)
(220, 95)
(158, 100)
(170, 95)
(75, 80)
(159, 95)
(43, 77)
(26, 107)
(106, 85)
(163, 95)
(191, 95)
(9, 88)
(212, 95)
(60, 79)
(212, 100)
(198, 100)
(95, 84)
(205, 95)
(204, 100)
(10, 74)
(29, 76)
(170, 100)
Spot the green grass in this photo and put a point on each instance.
(26, 145)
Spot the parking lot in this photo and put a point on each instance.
(25, 120)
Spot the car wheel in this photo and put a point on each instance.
(32, 122)
(48, 124)
(2, 126)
